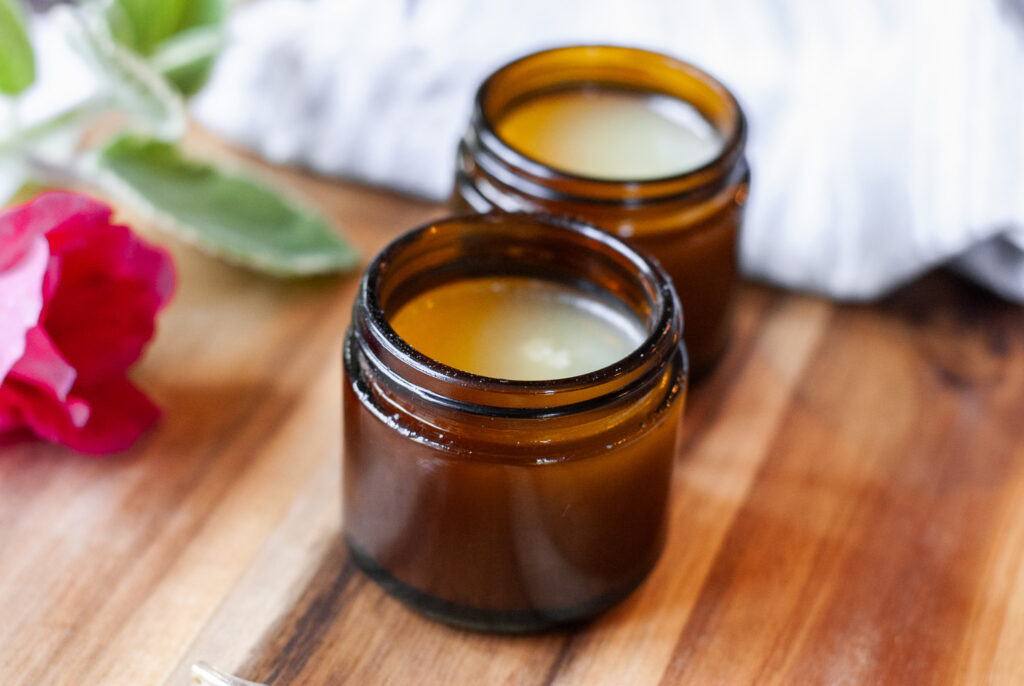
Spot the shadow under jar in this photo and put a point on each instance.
(501, 504)
(643, 145)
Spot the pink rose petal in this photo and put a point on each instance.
(103, 324)
(43, 365)
(77, 324)
(21, 301)
(37, 408)
(117, 414)
(20, 225)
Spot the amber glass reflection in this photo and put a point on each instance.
(509, 505)
(689, 222)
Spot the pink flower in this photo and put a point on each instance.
(78, 299)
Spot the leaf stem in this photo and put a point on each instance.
(19, 137)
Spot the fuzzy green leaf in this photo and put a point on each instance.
(166, 31)
(208, 14)
(136, 87)
(234, 217)
(186, 58)
(17, 61)
(151, 21)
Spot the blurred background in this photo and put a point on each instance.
(886, 138)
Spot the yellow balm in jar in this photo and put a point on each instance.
(518, 328)
(611, 134)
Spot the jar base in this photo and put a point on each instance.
(492, 621)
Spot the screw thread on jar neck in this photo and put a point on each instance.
(484, 154)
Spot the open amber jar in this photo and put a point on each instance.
(501, 504)
(688, 217)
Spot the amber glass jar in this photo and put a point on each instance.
(509, 505)
(689, 221)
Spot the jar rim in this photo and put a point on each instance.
(734, 139)
(667, 323)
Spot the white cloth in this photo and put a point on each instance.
(886, 136)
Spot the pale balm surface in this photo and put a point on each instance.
(517, 328)
(609, 134)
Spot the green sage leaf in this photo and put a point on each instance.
(150, 21)
(226, 214)
(17, 61)
(180, 38)
(186, 59)
(136, 87)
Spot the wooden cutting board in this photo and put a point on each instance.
(848, 506)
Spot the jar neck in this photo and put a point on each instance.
(483, 153)
(511, 245)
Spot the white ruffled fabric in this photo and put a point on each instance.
(886, 137)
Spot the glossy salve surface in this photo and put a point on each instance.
(518, 328)
(608, 133)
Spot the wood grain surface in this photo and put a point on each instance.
(848, 506)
